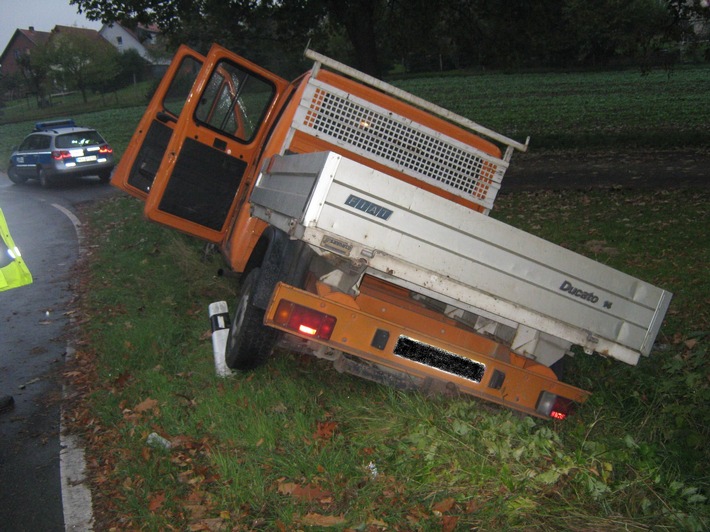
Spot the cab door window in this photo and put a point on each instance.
(234, 102)
(180, 86)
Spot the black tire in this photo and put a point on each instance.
(105, 177)
(14, 177)
(250, 342)
(44, 179)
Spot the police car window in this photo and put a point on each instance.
(234, 101)
(43, 142)
(30, 143)
(79, 139)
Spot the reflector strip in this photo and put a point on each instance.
(439, 358)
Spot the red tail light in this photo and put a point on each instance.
(304, 320)
(58, 155)
(106, 149)
(554, 406)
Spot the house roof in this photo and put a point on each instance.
(37, 37)
(75, 30)
(34, 36)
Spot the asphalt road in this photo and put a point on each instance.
(33, 349)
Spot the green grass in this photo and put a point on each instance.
(294, 443)
(73, 104)
(581, 110)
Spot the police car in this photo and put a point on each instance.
(60, 148)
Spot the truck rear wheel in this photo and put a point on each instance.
(250, 342)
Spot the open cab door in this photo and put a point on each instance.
(136, 171)
(214, 144)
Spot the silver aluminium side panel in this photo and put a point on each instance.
(418, 239)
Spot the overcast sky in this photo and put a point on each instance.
(42, 14)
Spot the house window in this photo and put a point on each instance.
(119, 40)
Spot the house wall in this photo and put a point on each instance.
(19, 45)
(123, 40)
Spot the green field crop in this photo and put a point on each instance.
(596, 110)
(581, 110)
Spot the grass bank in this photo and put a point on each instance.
(296, 444)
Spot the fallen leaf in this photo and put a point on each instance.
(445, 505)
(313, 519)
(156, 501)
(144, 406)
(197, 511)
(286, 488)
(310, 492)
(325, 430)
(449, 522)
(211, 524)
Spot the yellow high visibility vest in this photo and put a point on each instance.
(13, 270)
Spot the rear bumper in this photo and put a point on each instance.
(80, 171)
(383, 332)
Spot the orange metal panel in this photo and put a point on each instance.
(359, 321)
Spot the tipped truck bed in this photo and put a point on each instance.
(426, 243)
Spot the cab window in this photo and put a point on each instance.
(234, 102)
(180, 86)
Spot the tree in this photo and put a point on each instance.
(82, 60)
(490, 33)
(250, 27)
(35, 72)
(131, 67)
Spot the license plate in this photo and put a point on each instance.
(439, 358)
(86, 159)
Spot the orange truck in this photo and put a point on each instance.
(357, 216)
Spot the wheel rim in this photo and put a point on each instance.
(238, 320)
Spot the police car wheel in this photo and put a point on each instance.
(14, 177)
(44, 179)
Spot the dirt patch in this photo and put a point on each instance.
(627, 169)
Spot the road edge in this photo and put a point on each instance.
(77, 501)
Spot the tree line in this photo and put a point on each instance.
(375, 35)
(69, 61)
